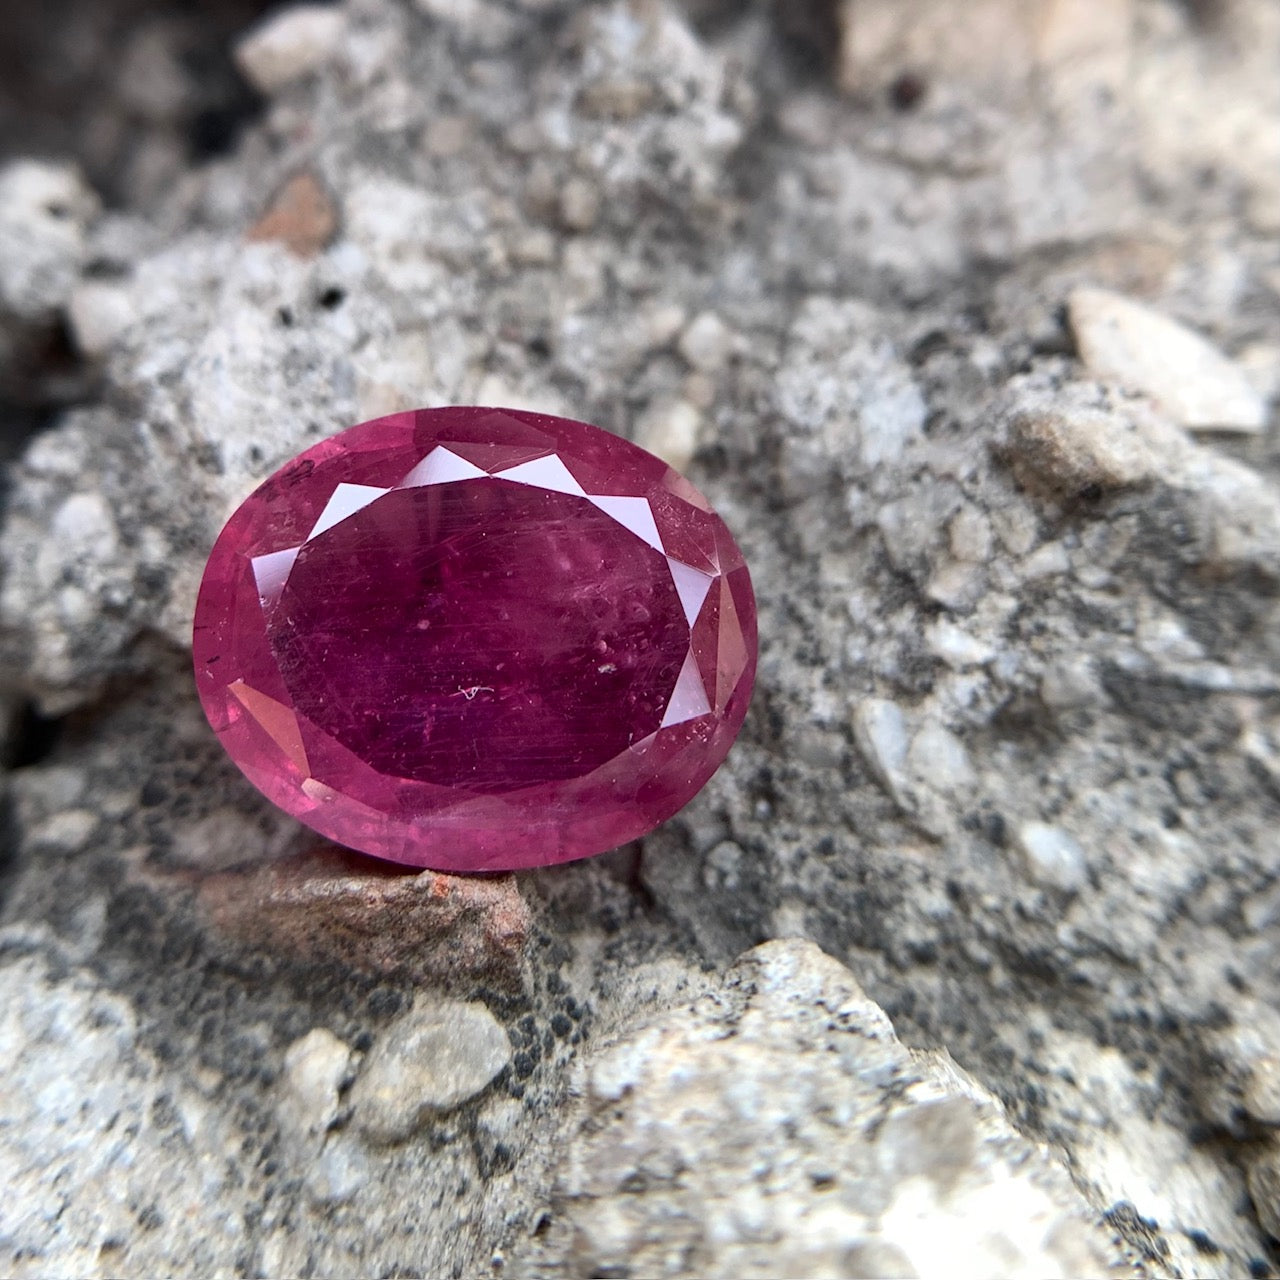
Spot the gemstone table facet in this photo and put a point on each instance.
(476, 639)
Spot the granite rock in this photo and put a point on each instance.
(832, 1144)
(111, 1160)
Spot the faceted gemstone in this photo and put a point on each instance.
(476, 639)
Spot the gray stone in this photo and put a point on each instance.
(1073, 438)
(938, 760)
(1070, 682)
(880, 730)
(957, 647)
(1045, 562)
(488, 24)
(339, 1173)
(848, 397)
(69, 829)
(670, 428)
(435, 1058)
(579, 204)
(99, 314)
(707, 343)
(969, 535)
(876, 1258)
(106, 1155)
(1246, 1054)
(1079, 439)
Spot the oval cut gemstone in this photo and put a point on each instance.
(476, 639)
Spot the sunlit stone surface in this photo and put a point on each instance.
(476, 639)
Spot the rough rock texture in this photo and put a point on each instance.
(108, 1159)
(833, 1144)
(1014, 758)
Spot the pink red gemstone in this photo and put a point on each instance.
(476, 639)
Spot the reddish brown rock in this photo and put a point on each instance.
(301, 216)
(330, 907)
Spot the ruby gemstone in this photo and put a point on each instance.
(476, 639)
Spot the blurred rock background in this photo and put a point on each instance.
(968, 321)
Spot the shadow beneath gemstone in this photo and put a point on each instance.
(604, 893)
(179, 850)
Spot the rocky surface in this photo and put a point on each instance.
(833, 1147)
(1014, 760)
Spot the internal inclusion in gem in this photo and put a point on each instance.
(476, 639)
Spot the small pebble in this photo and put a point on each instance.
(447, 136)
(1264, 1190)
(68, 830)
(707, 343)
(289, 45)
(1134, 346)
(661, 322)
(880, 731)
(338, 1172)
(1049, 561)
(723, 865)
(301, 216)
(533, 247)
(315, 1067)
(938, 759)
(579, 204)
(494, 389)
(432, 1059)
(1262, 1094)
(1066, 444)
(86, 520)
(969, 535)
(670, 429)
(1068, 683)
(1053, 857)
(956, 647)
(954, 586)
(99, 313)
(460, 11)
